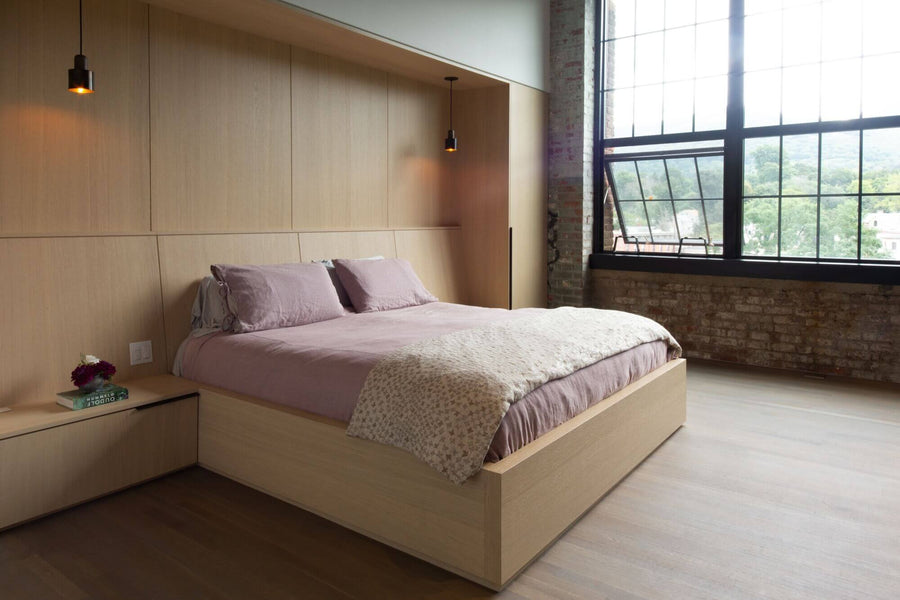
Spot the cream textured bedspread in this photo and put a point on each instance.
(443, 398)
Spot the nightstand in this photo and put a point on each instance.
(52, 458)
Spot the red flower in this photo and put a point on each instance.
(83, 374)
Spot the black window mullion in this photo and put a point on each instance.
(819, 202)
(702, 201)
(780, 197)
(734, 143)
(859, 196)
(644, 201)
(672, 199)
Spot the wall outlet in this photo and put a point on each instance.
(141, 352)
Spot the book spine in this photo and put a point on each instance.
(91, 401)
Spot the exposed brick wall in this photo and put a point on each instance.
(827, 328)
(571, 127)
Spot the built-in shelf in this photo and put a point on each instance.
(28, 418)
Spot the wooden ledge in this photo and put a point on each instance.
(28, 418)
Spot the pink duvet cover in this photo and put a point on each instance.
(321, 367)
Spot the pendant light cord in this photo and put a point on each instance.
(80, 27)
(451, 104)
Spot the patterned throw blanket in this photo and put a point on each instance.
(442, 399)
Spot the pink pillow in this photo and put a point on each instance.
(270, 296)
(381, 284)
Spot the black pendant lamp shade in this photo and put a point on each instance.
(81, 79)
(450, 142)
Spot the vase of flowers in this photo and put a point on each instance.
(91, 374)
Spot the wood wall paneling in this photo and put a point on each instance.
(347, 244)
(419, 181)
(221, 127)
(528, 195)
(70, 163)
(435, 256)
(185, 260)
(481, 188)
(66, 296)
(340, 133)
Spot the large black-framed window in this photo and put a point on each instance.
(792, 107)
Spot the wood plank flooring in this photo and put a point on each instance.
(778, 487)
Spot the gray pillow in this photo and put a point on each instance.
(338, 286)
(271, 296)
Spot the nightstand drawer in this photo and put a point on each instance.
(51, 469)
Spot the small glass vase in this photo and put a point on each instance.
(93, 385)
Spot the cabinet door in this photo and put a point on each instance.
(48, 470)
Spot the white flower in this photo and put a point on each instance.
(89, 359)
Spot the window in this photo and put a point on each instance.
(791, 154)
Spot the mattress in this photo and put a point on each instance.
(321, 367)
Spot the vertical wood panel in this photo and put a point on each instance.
(347, 244)
(435, 256)
(418, 178)
(71, 163)
(221, 127)
(185, 260)
(66, 296)
(481, 178)
(339, 139)
(528, 195)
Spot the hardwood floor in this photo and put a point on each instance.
(778, 487)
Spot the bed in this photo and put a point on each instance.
(538, 479)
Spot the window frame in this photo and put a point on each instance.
(730, 262)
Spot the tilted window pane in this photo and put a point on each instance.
(625, 181)
(662, 221)
(760, 227)
(881, 227)
(653, 179)
(683, 178)
(762, 166)
(838, 227)
(840, 162)
(691, 222)
(634, 220)
(711, 176)
(714, 218)
(800, 164)
(798, 227)
(881, 161)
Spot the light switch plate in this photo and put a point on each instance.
(141, 352)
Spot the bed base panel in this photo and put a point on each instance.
(486, 530)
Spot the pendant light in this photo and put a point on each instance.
(81, 79)
(450, 142)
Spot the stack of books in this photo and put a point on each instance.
(77, 399)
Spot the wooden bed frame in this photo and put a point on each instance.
(486, 530)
